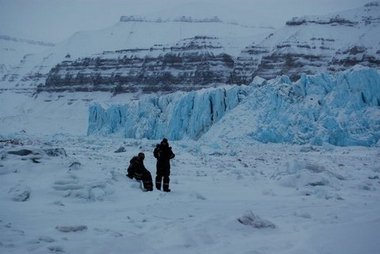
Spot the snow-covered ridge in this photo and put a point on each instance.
(313, 45)
(346, 18)
(187, 19)
(126, 36)
(326, 43)
(28, 41)
(330, 21)
(341, 110)
(309, 45)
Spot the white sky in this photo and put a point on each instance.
(56, 20)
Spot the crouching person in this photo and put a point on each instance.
(138, 171)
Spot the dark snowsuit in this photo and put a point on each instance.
(163, 152)
(138, 171)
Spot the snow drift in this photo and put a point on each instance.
(341, 110)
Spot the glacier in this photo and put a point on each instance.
(175, 116)
(341, 109)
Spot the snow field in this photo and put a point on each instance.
(83, 202)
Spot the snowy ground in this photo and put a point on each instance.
(289, 199)
(228, 196)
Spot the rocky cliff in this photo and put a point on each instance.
(190, 64)
(312, 45)
(308, 45)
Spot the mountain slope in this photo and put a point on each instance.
(131, 33)
(14, 51)
(190, 64)
(315, 44)
(308, 45)
(154, 53)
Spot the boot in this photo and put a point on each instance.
(166, 187)
(148, 186)
(166, 183)
(158, 182)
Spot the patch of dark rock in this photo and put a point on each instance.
(250, 219)
(69, 229)
(75, 165)
(120, 150)
(55, 152)
(11, 141)
(36, 160)
(22, 152)
(320, 183)
(307, 149)
(56, 249)
(46, 239)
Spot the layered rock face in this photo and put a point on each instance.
(312, 45)
(306, 45)
(190, 64)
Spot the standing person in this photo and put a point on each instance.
(163, 153)
(138, 171)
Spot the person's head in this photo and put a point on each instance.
(164, 142)
(141, 156)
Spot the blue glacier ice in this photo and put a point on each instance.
(175, 116)
(341, 109)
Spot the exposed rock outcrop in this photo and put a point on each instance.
(190, 64)
(316, 44)
(305, 45)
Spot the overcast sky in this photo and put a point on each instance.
(56, 20)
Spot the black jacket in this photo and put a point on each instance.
(136, 168)
(163, 154)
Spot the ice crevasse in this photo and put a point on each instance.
(341, 109)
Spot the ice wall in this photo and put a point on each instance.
(175, 116)
(341, 109)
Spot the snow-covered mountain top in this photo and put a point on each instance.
(334, 27)
(136, 34)
(130, 35)
(369, 13)
(13, 50)
(187, 19)
(32, 42)
(315, 44)
(54, 20)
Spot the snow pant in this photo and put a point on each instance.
(146, 178)
(163, 176)
(147, 181)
